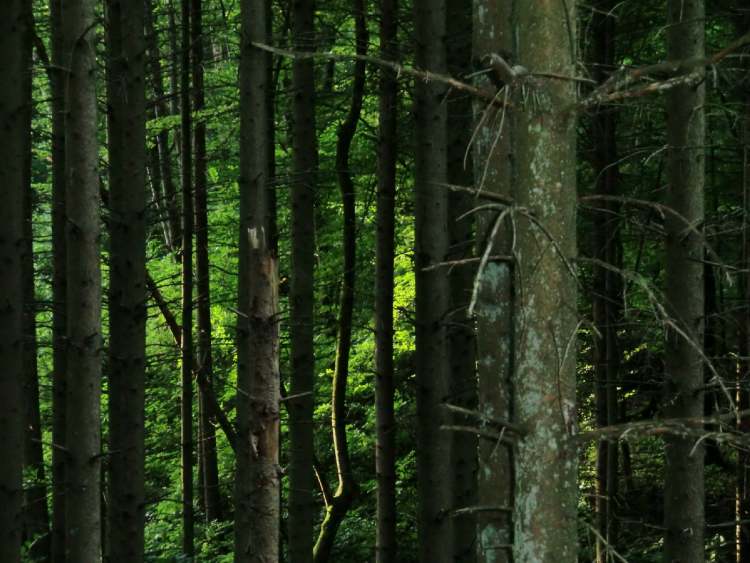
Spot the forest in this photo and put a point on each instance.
(375, 280)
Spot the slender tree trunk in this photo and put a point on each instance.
(208, 459)
(604, 298)
(186, 395)
(460, 333)
(258, 476)
(434, 470)
(684, 518)
(83, 517)
(493, 170)
(59, 284)
(385, 445)
(36, 516)
(304, 150)
(544, 378)
(127, 287)
(13, 109)
(346, 491)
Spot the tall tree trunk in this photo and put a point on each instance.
(127, 287)
(208, 460)
(435, 480)
(684, 518)
(186, 394)
(493, 170)
(83, 517)
(604, 298)
(346, 490)
(385, 445)
(258, 476)
(13, 109)
(304, 151)
(59, 283)
(463, 390)
(36, 516)
(544, 378)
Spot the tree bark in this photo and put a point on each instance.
(544, 378)
(13, 108)
(493, 170)
(83, 432)
(127, 287)
(346, 491)
(59, 283)
(208, 459)
(434, 469)
(186, 394)
(385, 445)
(258, 475)
(684, 518)
(301, 297)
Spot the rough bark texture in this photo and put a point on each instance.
(84, 338)
(258, 475)
(346, 491)
(605, 290)
(59, 282)
(304, 149)
(207, 459)
(127, 286)
(434, 468)
(493, 168)
(684, 474)
(385, 444)
(13, 27)
(186, 395)
(545, 321)
(460, 332)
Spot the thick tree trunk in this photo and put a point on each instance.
(684, 518)
(385, 444)
(493, 170)
(127, 287)
(13, 108)
(460, 332)
(605, 298)
(304, 149)
(208, 460)
(59, 283)
(84, 337)
(434, 467)
(186, 394)
(258, 475)
(346, 491)
(544, 378)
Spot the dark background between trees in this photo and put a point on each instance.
(405, 281)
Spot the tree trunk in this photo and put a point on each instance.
(684, 473)
(304, 154)
(208, 460)
(385, 444)
(434, 468)
(13, 109)
(127, 287)
(605, 297)
(544, 378)
(59, 283)
(347, 487)
(186, 395)
(83, 516)
(493, 170)
(36, 516)
(258, 475)
(460, 331)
